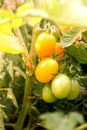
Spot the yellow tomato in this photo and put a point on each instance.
(45, 45)
(46, 70)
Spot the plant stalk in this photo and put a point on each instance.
(26, 105)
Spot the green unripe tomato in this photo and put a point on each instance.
(75, 90)
(61, 86)
(47, 94)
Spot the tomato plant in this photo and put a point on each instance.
(46, 70)
(75, 90)
(43, 66)
(61, 85)
(45, 45)
(47, 94)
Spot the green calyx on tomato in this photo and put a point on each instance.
(61, 85)
(47, 94)
(75, 90)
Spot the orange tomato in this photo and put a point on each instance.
(46, 70)
(45, 45)
(59, 51)
(66, 29)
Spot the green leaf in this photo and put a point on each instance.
(1, 3)
(1, 62)
(23, 9)
(10, 44)
(5, 26)
(10, 95)
(78, 51)
(84, 35)
(9, 20)
(83, 80)
(60, 121)
(7, 102)
(2, 117)
(17, 58)
(19, 72)
(10, 69)
(29, 10)
(6, 14)
(34, 20)
(54, 5)
(69, 37)
(76, 118)
(67, 12)
(2, 113)
(37, 90)
(17, 22)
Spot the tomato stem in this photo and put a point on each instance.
(26, 105)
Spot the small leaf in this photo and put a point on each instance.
(5, 26)
(76, 117)
(34, 20)
(17, 22)
(79, 52)
(52, 120)
(84, 35)
(37, 90)
(16, 68)
(6, 14)
(23, 9)
(1, 62)
(68, 38)
(10, 44)
(60, 121)
(11, 96)
(83, 80)
(10, 69)
(2, 114)
(29, 10)
(56, 5)
(7, 102)
(2, 117)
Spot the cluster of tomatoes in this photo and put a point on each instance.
(57, 85)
